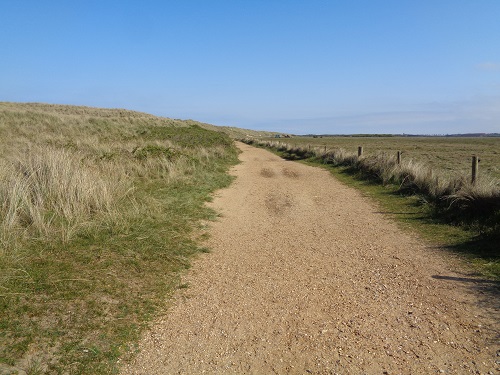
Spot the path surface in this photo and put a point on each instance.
(307, 276)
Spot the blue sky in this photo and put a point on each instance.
(310, 66)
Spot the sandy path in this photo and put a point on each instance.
(306, 276)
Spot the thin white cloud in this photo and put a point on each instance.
(477, 115)
(489, 66)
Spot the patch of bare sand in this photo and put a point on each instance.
(306, 276)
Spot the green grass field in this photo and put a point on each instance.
(101, 211)
(447, 155)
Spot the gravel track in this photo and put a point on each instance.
(308, 276)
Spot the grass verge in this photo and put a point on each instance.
(412, 212)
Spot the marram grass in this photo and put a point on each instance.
(99, 212)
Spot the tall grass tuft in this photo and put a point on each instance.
(46, 190)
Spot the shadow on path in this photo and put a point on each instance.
(468, 280)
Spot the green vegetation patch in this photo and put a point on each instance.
(155, 151)
(192, 136)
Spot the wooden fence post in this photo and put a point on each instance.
(475, 168)
(399, 157)
(360, 151)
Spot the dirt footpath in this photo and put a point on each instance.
(307, 276)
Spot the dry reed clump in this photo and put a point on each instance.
(481, 197)
(380, 166)
(337, 157)
(46, 190)
(417, 177)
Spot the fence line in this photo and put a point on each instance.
(412, 176)
(475, 168)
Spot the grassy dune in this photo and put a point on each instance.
(100, 211)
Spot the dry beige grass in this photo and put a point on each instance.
(63, 167)
(47, 191)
